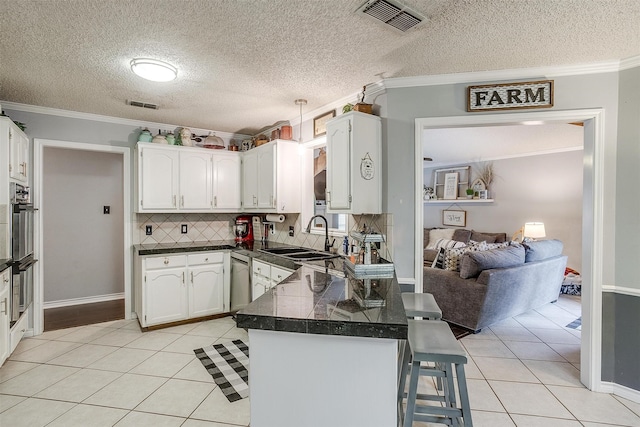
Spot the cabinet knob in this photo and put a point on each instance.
(166, 261)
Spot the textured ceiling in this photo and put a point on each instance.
(243, 62)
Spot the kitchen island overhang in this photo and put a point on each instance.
(323, 349)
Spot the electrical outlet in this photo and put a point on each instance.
(106, 210)
(291, 231)
(183, 229)
(148, 230)
(272, 229)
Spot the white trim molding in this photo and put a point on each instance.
(634, 292)
(83, 300)
(593, 235)
(38, 291)
(109, 119)
(620, 390)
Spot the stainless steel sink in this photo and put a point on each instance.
(284, 251)
(299, 254)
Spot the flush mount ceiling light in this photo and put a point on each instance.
(154, 70)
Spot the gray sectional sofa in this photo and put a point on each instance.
(497, 283)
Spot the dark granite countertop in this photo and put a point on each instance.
(5, 263)
(252, 250)
(319, 299)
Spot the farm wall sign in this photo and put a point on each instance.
(510, 96)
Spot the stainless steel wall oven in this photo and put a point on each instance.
(22, 250)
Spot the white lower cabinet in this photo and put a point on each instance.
(5, 288)
(179, 287)
(265, 276)
(206, 283)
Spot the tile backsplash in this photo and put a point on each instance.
(166, 228)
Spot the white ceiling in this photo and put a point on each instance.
(456, 146)
(242, 63)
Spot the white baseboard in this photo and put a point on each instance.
(620, 390)
(84, 300)
(621, 290)
(406, 281)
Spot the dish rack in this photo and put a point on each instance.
(382, 269)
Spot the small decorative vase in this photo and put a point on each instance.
(159, 138)
(145, 136)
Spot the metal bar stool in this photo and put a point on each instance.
(433, 341)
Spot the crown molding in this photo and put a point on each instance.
(495, 75)
(109, 119)
(631, 62)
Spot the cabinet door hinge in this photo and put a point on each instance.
(145, 278)
(350, 198)
(349, 126)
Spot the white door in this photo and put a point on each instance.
(195, 180)
(226, 181)
(250, 180)
(338, 165)
(266, 177)
(206, 290)
(165, 295)
(158, 178)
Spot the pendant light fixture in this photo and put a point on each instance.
(300, 102)
(154, 70)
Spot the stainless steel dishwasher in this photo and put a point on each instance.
(240, 280)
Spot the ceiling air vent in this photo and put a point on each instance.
(392, 13)
(142, 104)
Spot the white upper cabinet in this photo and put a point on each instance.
(271, 178)
(227, 188)
(157, 178)
(18, 143)
(196, 169)
(354, 145)
(187, 179)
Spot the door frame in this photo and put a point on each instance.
(592, 222)
(38, 285)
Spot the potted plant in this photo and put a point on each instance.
(469, 193)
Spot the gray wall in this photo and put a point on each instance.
(83, 249)
(522, 194)
(404, 105)
(621, 339)
(621, 312)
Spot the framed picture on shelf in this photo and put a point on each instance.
(451, 186)
(320, 123)
(454, 218)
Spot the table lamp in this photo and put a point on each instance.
(530, 230)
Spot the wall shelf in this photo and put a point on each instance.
(456, 201)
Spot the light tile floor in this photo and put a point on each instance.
(521, 372)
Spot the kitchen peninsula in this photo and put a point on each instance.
(323, 349)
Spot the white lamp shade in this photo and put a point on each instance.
(151, 69)
(534, 230)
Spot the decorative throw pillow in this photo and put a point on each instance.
(479, 237)
(473, 263)
(462, 235)
(438, 261)
(497, 245)
(453, 256)
(538, 250)
(437, 234)
(449, 244)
